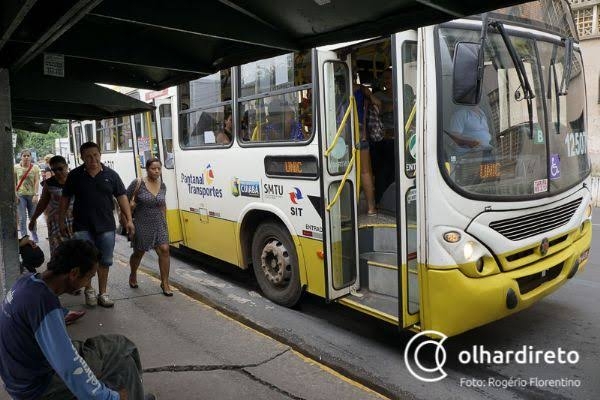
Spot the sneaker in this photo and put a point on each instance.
(150, 396)
(90, 297)
(105, 301)
(73, 316)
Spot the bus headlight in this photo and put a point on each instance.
(586, 219)
(471, 256)
(468, 250)
(588, 211)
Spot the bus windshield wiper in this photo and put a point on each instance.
(521, 73)
(564, 84)
(553, 84)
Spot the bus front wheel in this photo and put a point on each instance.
(275, 264)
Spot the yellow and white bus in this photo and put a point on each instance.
(262, 164)
(115, 138)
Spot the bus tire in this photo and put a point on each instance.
(275, 264)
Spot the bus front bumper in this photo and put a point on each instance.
(453, 303)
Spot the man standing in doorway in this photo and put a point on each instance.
(94, 185)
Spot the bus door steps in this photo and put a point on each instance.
(378, 238)
(379, 272)
(380, 219)
(377, 301)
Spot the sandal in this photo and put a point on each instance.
(133, 285)
(167, 293)
(372, 213)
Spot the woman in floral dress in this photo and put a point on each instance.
(150, 220)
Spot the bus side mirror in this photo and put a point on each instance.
(466, 85)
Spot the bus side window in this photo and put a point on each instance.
(285, 117)
(205, 112)
(124, 134)
(107, 135)
(281, 118)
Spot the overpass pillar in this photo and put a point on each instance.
(9, 255)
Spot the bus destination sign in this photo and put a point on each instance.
(489, 171)
(302, 167)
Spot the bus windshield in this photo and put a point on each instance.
(489, 149)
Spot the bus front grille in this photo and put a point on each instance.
(531, 282)
(533, 224)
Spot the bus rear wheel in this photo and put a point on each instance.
(275, 264)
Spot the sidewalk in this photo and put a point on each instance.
(191, 351)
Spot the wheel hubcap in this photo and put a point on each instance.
(276, 263)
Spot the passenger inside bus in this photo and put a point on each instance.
(373, 92)
(224, 136)
(382, 152)
(281, 123)
(305, 108)
(244, 126)
(364, 97)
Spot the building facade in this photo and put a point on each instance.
(587, 18)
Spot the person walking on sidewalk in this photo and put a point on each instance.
(50, 200)
(150, 222)
(47, 173)
(27, 179)
(38, 360)
(93, 185)
(48, 204)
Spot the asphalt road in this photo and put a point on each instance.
(371, 351)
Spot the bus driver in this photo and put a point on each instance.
(469, 130)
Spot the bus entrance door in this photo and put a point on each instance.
(405, 82)
(165, 123)
(338, 184)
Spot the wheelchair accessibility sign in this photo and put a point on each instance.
(554, 166)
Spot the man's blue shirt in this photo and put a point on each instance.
(34, 345)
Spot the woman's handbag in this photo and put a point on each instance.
(132, 202)
(132, 205)
(375, 127)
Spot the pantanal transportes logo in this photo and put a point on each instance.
(209, 175)
(202, 184)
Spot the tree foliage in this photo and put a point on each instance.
(41, 143)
